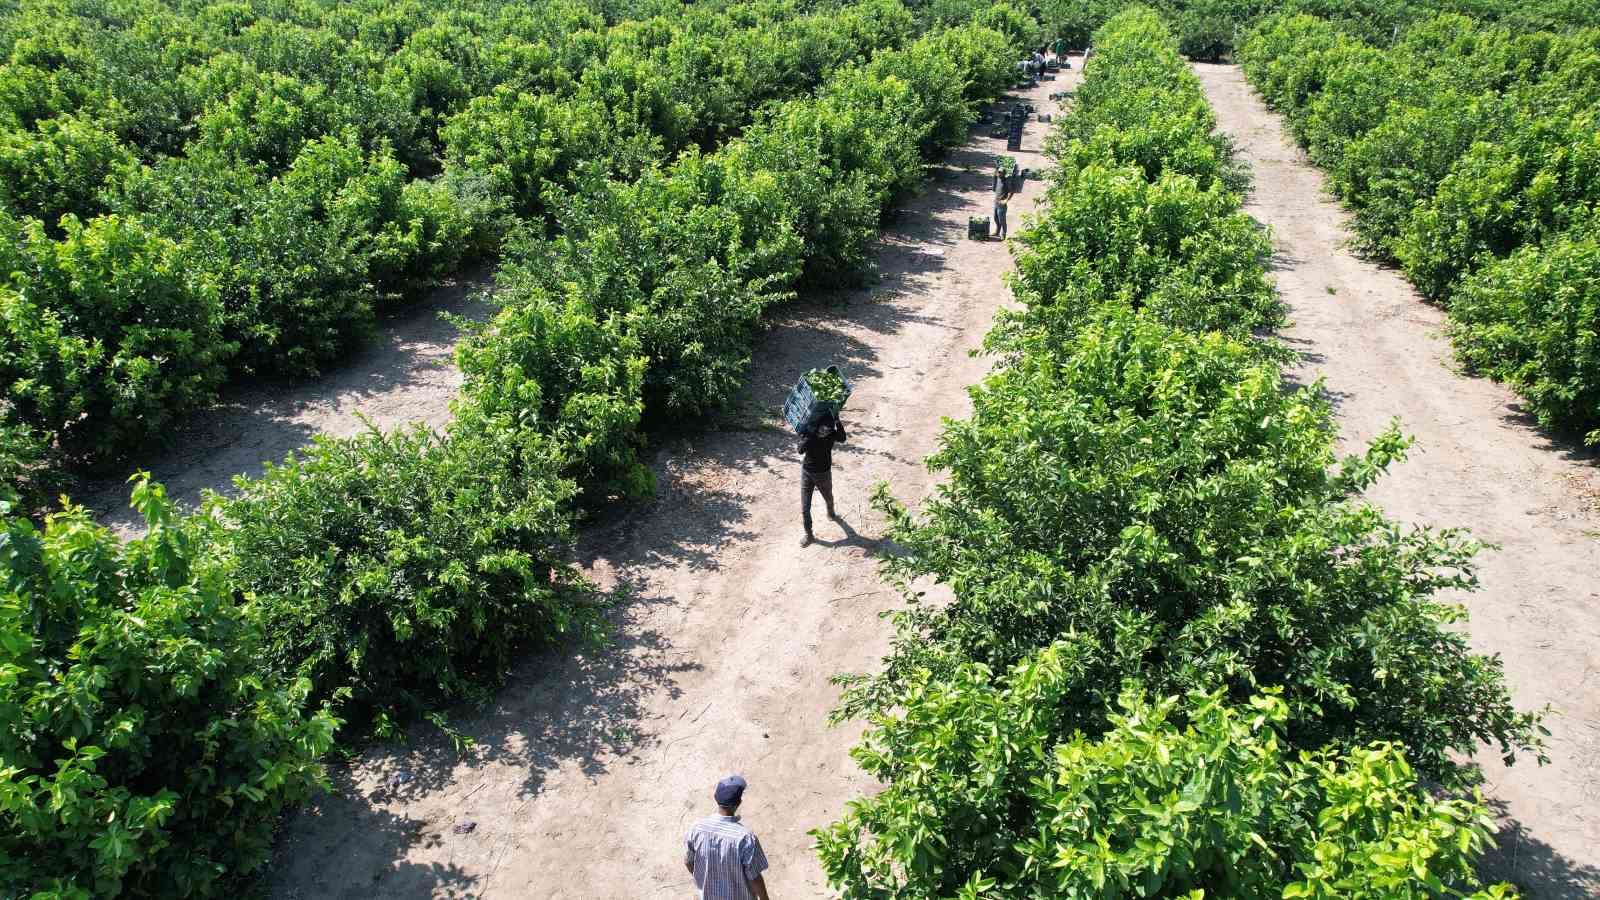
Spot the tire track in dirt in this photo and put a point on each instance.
(587, 770)
(1479, 463)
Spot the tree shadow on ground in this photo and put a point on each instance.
(852, 538)
(1566, 444)
(1537, 869)
(558, 708)
(1295, 381)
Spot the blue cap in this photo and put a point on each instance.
(730, 791)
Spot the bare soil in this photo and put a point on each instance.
(588, 770)
(1478, 462)
(406, 375)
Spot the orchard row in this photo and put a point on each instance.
(1184, 657)
(1471, 157)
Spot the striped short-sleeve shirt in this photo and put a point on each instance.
(726, 856)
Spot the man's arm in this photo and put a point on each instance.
(755, 863)
(838, 429)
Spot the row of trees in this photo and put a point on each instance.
(1183, 656)
(162, 701)
(1470, 154)
(1211, 30)
(192, 193)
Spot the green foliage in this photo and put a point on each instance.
(1076, 21)
(1021, 30)
(1187, 256)
(520, 139)
(141, 749)
(1164, 497)
(1140, 506)
(330, 234)
(105, 335)
(404, 570)
(1175, 799)
(1467, 149)
(27, 478)
(1144, 109)
(1139, 212)
(556, 363)
(1532, 320)
(980, 54)
(1206, 29)
(59, 168)
(826, 386)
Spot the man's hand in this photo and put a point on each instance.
(758, 886)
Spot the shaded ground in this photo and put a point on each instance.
(588, 770)
(1478, 462)
(405, 375)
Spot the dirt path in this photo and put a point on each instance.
(588, 771)
(405, 375)
(1478, 463)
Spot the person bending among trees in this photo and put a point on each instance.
(816, 469)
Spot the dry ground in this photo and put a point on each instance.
(588, 770)
(1478, 462)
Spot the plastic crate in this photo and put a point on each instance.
(803, 408)
(977, 228)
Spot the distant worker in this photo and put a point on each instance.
(725, 857)
(816, 469)
(1002, 196)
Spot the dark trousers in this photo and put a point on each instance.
(1000, 220)
(814, 481)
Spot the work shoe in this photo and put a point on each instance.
(807, 540)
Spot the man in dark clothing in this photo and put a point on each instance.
(816, 470)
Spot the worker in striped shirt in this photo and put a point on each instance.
(725, 857)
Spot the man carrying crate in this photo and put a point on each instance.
(816, 468)
(812, 410)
